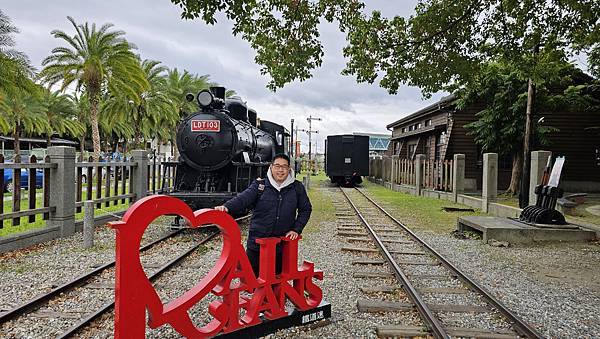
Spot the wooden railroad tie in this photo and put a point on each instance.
(366, 239)
(374, 306)
(391, 275)
(374, 250)
(368, 262)
(443, 290)
(350, 229)
(387, 331)
(350, 234)
(372, 275)
(400, 262)
(379, 289)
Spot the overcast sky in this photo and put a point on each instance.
(159, 33)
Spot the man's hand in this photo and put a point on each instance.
(292, 235)
(221, 208)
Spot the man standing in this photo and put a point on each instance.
(281, 208)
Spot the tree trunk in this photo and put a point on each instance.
(49, 141)
(524, 191)
(17, 141)
(515, 178)
(94, 123)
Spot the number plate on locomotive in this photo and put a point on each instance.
(206, 126)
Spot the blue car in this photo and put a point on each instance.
(8, 179)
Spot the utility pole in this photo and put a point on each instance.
(310, 132)
(291, 150)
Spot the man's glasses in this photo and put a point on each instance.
(280, 167)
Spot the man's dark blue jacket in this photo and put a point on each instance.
(275, 212)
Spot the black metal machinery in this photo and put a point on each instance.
(547, 193)
(223, 148)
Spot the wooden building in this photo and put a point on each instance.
(438, 132)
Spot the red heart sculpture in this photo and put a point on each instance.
(134, 292)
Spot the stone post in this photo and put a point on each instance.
(539, 159)
(458, 178)
(88, 223)
(62, 189)
(139, 173)
(419, 160)
(490, 179)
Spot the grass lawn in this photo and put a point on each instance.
(8, 228)
(419, 213)
(323, 209)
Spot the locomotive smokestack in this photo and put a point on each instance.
(218, 92)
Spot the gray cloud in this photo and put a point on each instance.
(156, 28)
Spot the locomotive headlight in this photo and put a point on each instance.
(205, 98)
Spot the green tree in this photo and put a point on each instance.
(61, 115)
(154, 109)
(443, 44)
(442, 47)
(98, 61)
(25, 114)
(81, 106)
(15, 69)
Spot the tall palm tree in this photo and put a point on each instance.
(15, 69)
(154, 109)
(81, 105)
(97, 60)
(61, 115)
(25, 113)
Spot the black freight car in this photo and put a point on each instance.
(347, 158)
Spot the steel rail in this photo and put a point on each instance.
(520, 326)
(428, 316)
(36, 301)
(109, 305)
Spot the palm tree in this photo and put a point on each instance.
(81, 105)
(15, 69)
(61, 115)
(25, 113)
(154, 109)
(177, 85)
(97, 60)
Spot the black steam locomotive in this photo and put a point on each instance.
(223, 147)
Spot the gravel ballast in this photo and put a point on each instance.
(553, 286)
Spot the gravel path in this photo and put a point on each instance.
(554, 286)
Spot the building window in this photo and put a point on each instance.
(417, 126)
(427, 122)
(403, 129)
(427, 147)
(411, 127)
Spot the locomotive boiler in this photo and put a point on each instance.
(223, 147)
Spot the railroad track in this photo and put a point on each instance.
(82, 281)
(424, 275)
